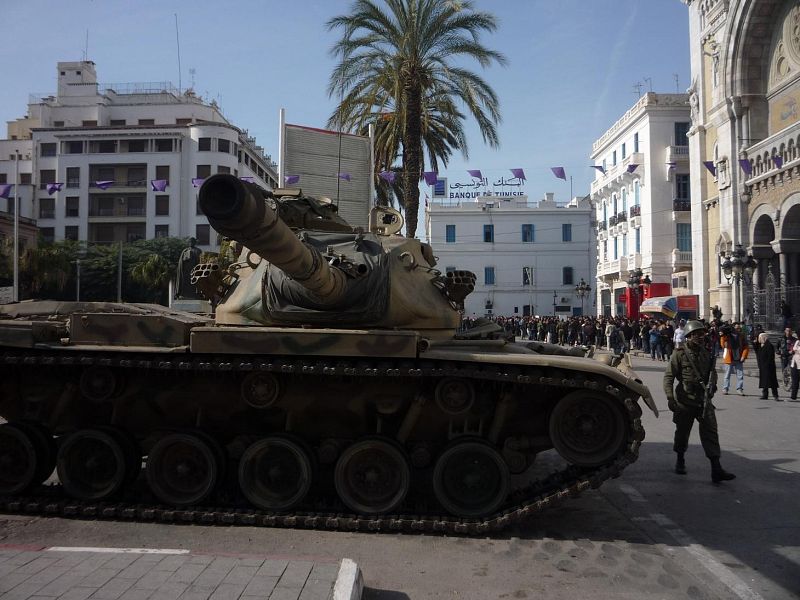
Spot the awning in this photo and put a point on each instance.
(662, 305)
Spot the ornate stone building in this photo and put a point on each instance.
(744, 155)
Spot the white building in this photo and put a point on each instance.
(134, 136)
(528, 256)
(642, 204)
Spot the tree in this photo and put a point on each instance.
(405, 62)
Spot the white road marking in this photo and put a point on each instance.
(116, 550)
(632, 493)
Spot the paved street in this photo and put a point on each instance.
(650, 534)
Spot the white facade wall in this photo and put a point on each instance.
(546, 256)
(182, 118)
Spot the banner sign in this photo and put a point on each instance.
(504, 186)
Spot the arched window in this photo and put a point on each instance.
(624, 199)
(614, 200)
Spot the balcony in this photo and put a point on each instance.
(621, 217)
(681, 259)
(678, 154)
(612, 221)
(125, 183)
(601, 226)
(681, 205)
(635, 211)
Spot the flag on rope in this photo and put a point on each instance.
(475, 173)
(248, 179)
(709, 164)
(197, 181)
(747, 167)
(430, 177)
(54, 187)
(518, 173)
(159, 185)
(559, 172)
(600, 168)
(387, 176)
(671, 165)
(5, 190)
(632, 167)
(291, 179)
(345, 176)
(103, 185)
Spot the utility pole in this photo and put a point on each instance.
(119, 274)
(554, 302)
(15, 295)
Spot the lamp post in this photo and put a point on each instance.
(15, 294)
(738, 266)
(554, 302)
(529, 275)
(582, 289)
(637, 284)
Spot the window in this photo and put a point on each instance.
(605, 249)
(488, 233)
(48, 149)
(198, 210)
(162, 231)
(683, 237)
(614, 158)
(72, 206)
(25, 178)
(450, 234)
(624, 153)
(527, 275)
(136, 206)
(221, 169)
(223, 146)
(566, 275)
(440, 188)
(137, 145)
(162, 206)
(624, 200)
(137, 176)
(163, 145)
(204, 144)
(605, 165)
(89, 123)
(527, 232)
(134, 232)
(614, 201)
(71, 233)
(638, 240)
(616, 251)
(636, 192)
(184, 121)
(635, 142)
(682, 187)
(624, 244)
(488, 275)
(147, 121)
(681, 129)
(105, 174)
(118, 123)
(73, 177)
(73, 147)
(58, 123)
(566, 232)
(203, 171)
(3, 178)
(162, 172)
(48, 234)
(46, 176)
(47, 208)
(202, 233)
(106, 146)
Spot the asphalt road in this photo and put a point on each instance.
(649, 534)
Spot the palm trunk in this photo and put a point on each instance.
(412, 151)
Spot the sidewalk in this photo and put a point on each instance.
(28, 573)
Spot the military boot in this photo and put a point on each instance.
(680, 465)
(719, 474)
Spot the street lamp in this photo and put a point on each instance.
(582, 289)
(738, 266)
(638, 284)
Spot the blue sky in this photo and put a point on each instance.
(572, 68)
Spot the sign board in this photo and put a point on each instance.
(688, 303)
(6, 295)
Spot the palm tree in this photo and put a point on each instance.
(400, 62)
(153, 272)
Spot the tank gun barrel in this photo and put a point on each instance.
(239, 210)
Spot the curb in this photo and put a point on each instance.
(349, 582)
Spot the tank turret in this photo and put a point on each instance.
(302, 263)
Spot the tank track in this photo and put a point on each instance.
(524, 502)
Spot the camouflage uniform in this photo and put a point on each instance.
(686, 402)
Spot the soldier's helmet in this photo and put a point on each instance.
(693, 326)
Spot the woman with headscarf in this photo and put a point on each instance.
(767, 374)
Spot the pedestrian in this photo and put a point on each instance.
(693, 367)
(610, 330)
(795, 363)
(785, 345)
(677, 337)
(655, 343)
(734, 353)
(767, 374)
(786, 313)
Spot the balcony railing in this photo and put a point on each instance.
(123, 183)
(622, 216)
(612, 221)
(681, 257)
(679, 205)
(601, 226)
(73, 183)
(45, 213)
(635, 211)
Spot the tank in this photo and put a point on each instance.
(331, 388)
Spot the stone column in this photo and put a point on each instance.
(784, 274)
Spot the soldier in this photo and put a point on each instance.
(694, 369)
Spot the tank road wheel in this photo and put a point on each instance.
(587, 429)
(18, 459)
(133, 453)
(91, 464)
(182, 469)
(98, 383)
(275, 473)
(471, 479)
(455, 395)
(46, 449)
(260, 390)
(372, 477)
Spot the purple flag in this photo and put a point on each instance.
(430, 177)
(159, 185)
(103, 185)
(388, 176)
(672, 165)
(559, 172)
(5, 190)
(632, 167)
(709, 164)
(54, 187)
(518, 173)
(345, 176)
(248, 179)
(475, 173)
(778, 160)
(197, 181)
(291, 179)
(746, 166)
(600, 168)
